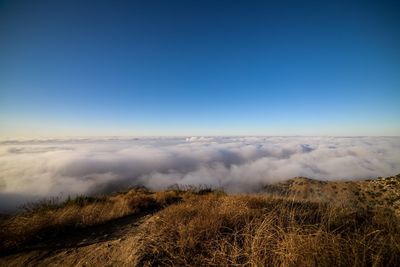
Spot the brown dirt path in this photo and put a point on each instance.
(109, 244)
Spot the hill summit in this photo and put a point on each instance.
(299, 222)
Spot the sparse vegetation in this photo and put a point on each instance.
(300, 222)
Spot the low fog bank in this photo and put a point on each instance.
(33, 169)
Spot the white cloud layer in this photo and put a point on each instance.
(41, 168)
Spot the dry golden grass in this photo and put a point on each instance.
(300, 223)
(48, 218)
(267, 231)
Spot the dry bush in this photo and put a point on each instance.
(167, 198)
(265, 231)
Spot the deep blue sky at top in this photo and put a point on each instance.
(199, 68)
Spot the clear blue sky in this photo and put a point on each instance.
(199, 68)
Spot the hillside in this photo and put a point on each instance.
(380, 192)
(299, 222)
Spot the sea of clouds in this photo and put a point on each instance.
(34, 169)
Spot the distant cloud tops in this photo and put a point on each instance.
(33, 169)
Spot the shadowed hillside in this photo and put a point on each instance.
(300, 222)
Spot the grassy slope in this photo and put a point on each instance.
(300, 222)
(381, 192)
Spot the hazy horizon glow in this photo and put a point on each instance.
(151, 68)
